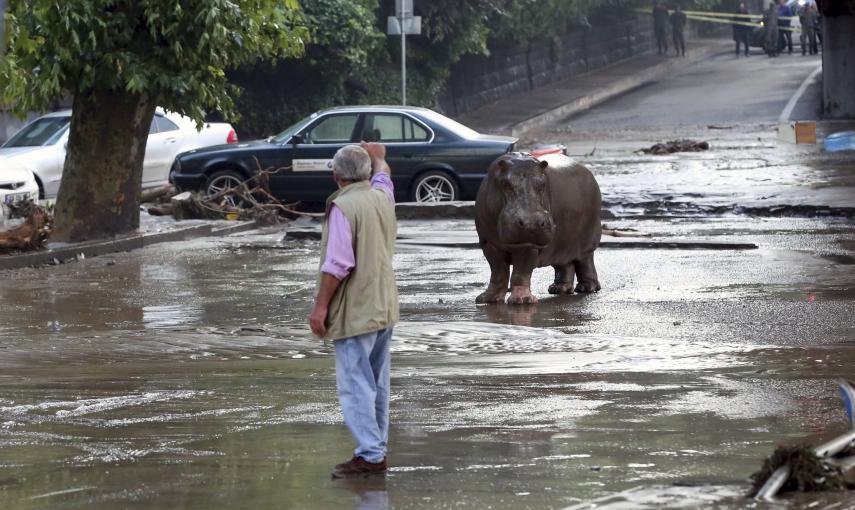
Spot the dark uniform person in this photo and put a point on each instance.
(741, 33)
(770, 34)
(678, 23)
(660, 27)
(785, 35)
(809, 29)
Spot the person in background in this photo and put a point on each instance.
(770, 34)
(817, 28)
(785, 35)
(660, 27)
(678, 24)
(741, 33)
(808, 16)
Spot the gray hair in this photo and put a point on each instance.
(352, 163)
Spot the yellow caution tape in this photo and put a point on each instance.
(741, 23)
(734, 15)
(727, 18)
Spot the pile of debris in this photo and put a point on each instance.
(28, 234)
(251, 200)
(801, 468)
(661, 149)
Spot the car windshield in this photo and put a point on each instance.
(451, 125)
(290, 130)
(44, 131)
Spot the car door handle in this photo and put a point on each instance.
(408, 156)
(170, 140)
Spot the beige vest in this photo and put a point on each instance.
(367, 300)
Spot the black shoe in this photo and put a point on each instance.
(359, 467)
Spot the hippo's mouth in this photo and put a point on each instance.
(525, 245)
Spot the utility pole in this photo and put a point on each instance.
(403, 23)
(402, 16)
(2, 24)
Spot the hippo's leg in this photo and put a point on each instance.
(564, 275)
(586, 273)
(524, 262)
(500, 271)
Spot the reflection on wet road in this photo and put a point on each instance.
(184, 376)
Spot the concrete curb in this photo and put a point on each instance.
(64, 253)
(434, 210)
(631, 243)
(621, 86)
(458, 210)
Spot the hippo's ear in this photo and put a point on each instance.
(501, 166)
(543, 164)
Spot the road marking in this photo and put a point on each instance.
(788, 110)
(58, 493)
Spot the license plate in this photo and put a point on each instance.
(16, 197)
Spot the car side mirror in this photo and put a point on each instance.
(296, 139)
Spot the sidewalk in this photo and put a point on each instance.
(152, 230)
(520, 113)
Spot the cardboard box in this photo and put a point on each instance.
(797, 132)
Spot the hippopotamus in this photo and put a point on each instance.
(533, 213)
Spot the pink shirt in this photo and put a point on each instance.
(340, 259)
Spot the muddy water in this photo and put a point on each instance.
(183, 375)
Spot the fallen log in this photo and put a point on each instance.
(157, 194)
(661, 149)
(32, 234)
(161, 210)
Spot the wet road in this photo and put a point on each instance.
(183, 375)
(722, 91)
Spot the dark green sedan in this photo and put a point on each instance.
(433, 158)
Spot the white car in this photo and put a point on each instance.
(40, 146)
(16, 183)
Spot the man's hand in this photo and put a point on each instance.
(318, 320)
(377, 153)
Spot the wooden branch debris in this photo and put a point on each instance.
(250, 200)
(32, 234)
(661, 149)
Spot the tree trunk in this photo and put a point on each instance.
(99, 195)
(838, 66)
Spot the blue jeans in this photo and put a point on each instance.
(362, 377)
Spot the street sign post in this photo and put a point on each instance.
(403, 23)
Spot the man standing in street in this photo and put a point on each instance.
(357, 300)
(660, 29)
(785, 35)
(678, 24)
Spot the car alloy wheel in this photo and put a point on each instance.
(222, 182)
(435, 187)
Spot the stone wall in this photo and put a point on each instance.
(478, 80)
